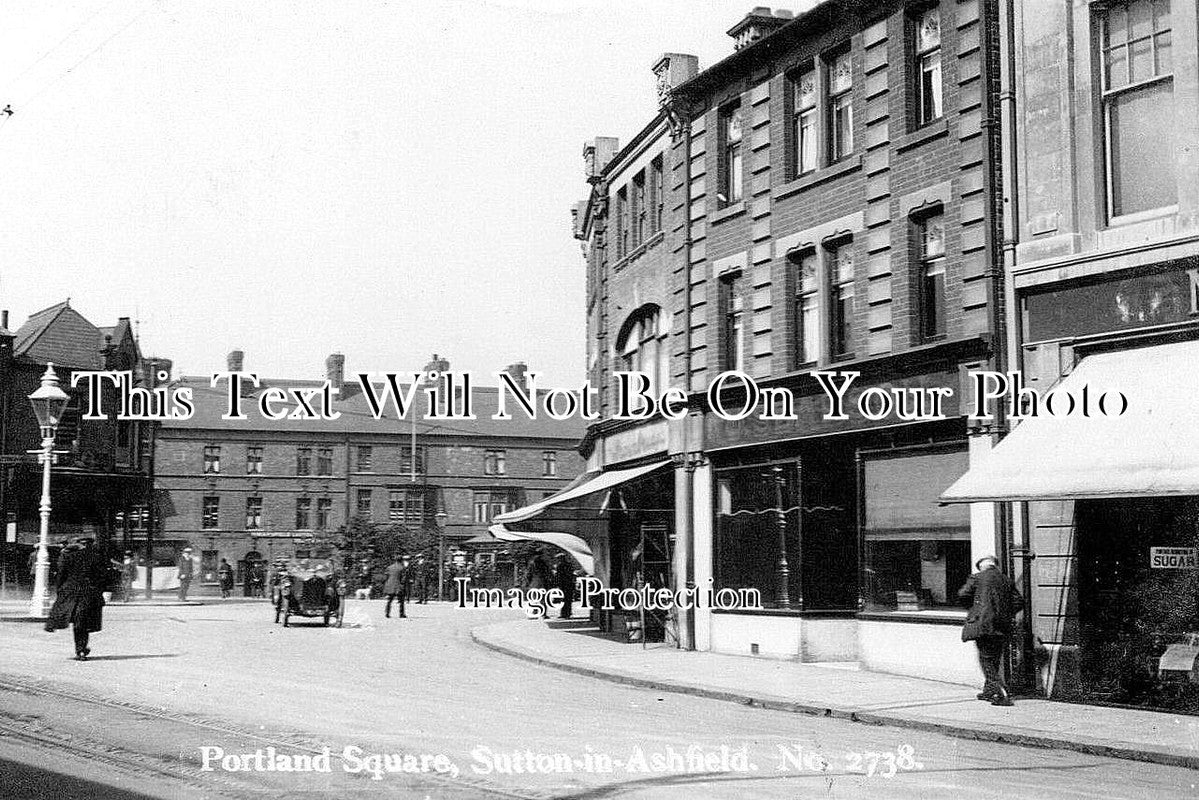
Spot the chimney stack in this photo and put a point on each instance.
(235, 360)
(671, 70)
(758, 24)
(597, 154)
(155, 365)
(517, 372)
(335, 370)
(6, 337)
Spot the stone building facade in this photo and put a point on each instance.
(1101, 150)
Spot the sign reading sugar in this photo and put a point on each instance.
(1174, 557)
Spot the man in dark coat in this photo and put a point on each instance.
(399, 577)
(186, 571)
(564, 580)
(537, 572)
(995, 601)
(82, 578)
(224, 574)
(421, 576)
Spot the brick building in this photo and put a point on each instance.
(1102, 146)
(102, 471)
(259, 489)
(830, 203)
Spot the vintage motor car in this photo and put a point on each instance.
(310, 589)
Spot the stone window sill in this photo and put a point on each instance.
(844, 167)
(927, 133)
(639, 250)
(729, 211)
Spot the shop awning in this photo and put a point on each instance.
(572, 544)
(1152, 450)
(555, 519)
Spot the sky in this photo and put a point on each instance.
(292, 179)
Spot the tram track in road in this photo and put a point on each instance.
(136, 764)
(91, 752)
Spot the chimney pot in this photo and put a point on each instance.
(235, 361)
(518, 372)
(335, 370)
(757, 24)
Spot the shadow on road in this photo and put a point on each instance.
(714, 778)
(132, 657)
(24, 782)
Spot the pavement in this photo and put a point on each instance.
(860, 696)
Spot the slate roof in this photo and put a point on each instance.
(356, 417)
(61, 335)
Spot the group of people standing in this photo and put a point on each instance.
(562, 575)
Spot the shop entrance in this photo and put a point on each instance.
(1138, 594)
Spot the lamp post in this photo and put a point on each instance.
(48, 403)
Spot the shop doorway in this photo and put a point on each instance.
(1138, 594)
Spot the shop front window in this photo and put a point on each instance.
(917, 552)
(1138, 600)
(757, 532)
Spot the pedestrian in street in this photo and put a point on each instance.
(399, 575)
(365, 582)
(994, 603)
(224, 574)
(537, 571)
(564, 580)
(80, 599)
(258, 579)
(186, 570)
(421, 579)
(278, 573)
(128, 576)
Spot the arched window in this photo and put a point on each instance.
(641, 346)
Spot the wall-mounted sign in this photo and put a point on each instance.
(1160, 296)
(1174, 557)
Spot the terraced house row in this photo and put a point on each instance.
(912, 191)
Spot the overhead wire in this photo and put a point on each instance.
(46, 87)
(61, 42)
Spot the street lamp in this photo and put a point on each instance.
(48, 402)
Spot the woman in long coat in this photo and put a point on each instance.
(82, 578)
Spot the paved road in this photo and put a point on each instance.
(165, 683)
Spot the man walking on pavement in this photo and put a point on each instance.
(399, 576)
(186, 569)
(995, 601)
(421, 577)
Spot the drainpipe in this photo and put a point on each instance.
(680, 124)
(692, 462)
(998, 69)
(1021, 554)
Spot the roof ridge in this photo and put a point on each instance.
(42, 326)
